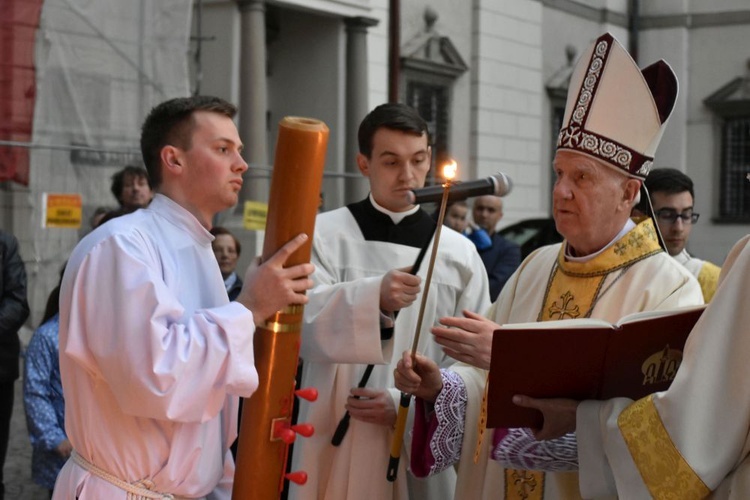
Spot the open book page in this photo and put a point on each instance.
(645, 315)
(584, 359)
(580, 323)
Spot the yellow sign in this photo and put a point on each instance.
(254, 215)
(61, 210)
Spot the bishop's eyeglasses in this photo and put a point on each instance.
(670, 216)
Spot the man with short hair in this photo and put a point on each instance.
(132, 188)
(153, 356)
(672, 198)
(608, 266)
(502, 258)
(364, 310)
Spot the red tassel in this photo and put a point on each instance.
(287, 435)
(308, 393)
(305, 430)
(297, 477)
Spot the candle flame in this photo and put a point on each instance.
(449, 170)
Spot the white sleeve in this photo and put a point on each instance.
(129, 330)
(342, 318)
(598, 440)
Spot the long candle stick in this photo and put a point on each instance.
(405, 401)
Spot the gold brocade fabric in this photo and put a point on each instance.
(708, 278)
(664, 471)
(574, 298)
(572, 291)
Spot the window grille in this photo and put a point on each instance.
(431, 101)
(735, 188)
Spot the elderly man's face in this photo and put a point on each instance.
(591, 201)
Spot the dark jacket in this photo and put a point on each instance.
(14, 308)
(501, 261)
(234, 291)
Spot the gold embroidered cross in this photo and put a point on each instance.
(620, 248)
(635, 240)
(565, 310)
(650, 232)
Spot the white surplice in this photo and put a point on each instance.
(342, 334)
(152, 357)
(651, 283)
(693, 440)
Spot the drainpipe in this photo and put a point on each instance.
(394, 52)
(634, 29)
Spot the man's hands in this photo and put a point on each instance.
(398, 290)
(467, 339)
(559, 415)
(421, 379)
(269, 286)
(371, 406)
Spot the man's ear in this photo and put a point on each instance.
(171, 159)
(364, 164)
(632, 188)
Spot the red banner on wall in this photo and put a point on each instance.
(19, 20)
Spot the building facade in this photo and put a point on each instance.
(490, 77)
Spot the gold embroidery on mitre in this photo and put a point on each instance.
(523, 485)
(665, 472)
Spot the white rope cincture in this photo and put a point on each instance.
(140, 490)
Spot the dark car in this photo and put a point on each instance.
(531, 234)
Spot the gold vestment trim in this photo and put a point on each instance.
(637, 244)
(708, 279)
(664, 470)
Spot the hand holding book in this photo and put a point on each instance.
(584, 359)
(558, 415)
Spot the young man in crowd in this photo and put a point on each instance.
(673, 199)
(364, 309)
(153, 356)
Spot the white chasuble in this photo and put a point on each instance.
(631, 275)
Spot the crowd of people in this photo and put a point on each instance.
(133, 390)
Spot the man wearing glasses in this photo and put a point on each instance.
(672, 197)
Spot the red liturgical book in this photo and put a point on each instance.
(584, 359)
